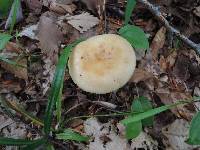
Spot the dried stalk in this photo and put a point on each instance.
(157, 13)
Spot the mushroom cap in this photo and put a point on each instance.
(102, 64)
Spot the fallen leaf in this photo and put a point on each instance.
(177, 134)
(144, 141)
(96, 6)
(12, 52)
(158, 42)
(62, 8)
(140, 75)
(35, 6)
(49, 35)
(104, 136)
(29, 32)
(50, 38)
(16, 70)
(197, 11)
(47, 3)
(169, 97)
(83, 22)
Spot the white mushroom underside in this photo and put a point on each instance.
(102, 64)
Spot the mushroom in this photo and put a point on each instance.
(102, 64)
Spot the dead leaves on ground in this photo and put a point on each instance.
(164, 74)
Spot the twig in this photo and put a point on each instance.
(157, 13)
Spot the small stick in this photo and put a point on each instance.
(157, 13)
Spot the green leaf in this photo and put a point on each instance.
(50, 147)
(18, 142)
(5, 6)
(129, 9)
(59, 104)
(194, 138)
(69, 134)
(133, 129)
(57, 86)
(143, 104)
(4, 39)
(15, 6)
(135, 36)
(149, 113)
(35, 145)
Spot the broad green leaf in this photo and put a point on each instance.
(18, 142)
(57, 86)
(4, 39)
(135, 36)
(133, 129)
(35, 145)
(5, 6)
(149, 113)
(129, 9)
(69, 134)
(194, 132)
(142, 104)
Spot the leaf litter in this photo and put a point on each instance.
(164, 74)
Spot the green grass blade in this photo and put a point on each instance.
(57, 85)
(142, 104)
(17, 142)
(5, 6)
(35, 145)
(129, 9)
(59, 105)
(4, 39)
(14, 15)
(148, 113)
(69, 134)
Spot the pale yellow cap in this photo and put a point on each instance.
(102, 64)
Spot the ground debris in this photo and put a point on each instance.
(83, 22)
(50, 38)
(177, 134)
(104, 136)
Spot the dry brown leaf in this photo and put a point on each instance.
(140, 75)
(197, 11)
(96, 6)
(12, 52)
(177, 134)
(17, 71)
(50, 38)
(62, 8)
(169, 97)
(83, 22)
(49, 35)
(34, 6)
(158, 42)
(47, 3)
(168, 63)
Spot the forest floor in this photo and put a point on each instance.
(168, 72)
